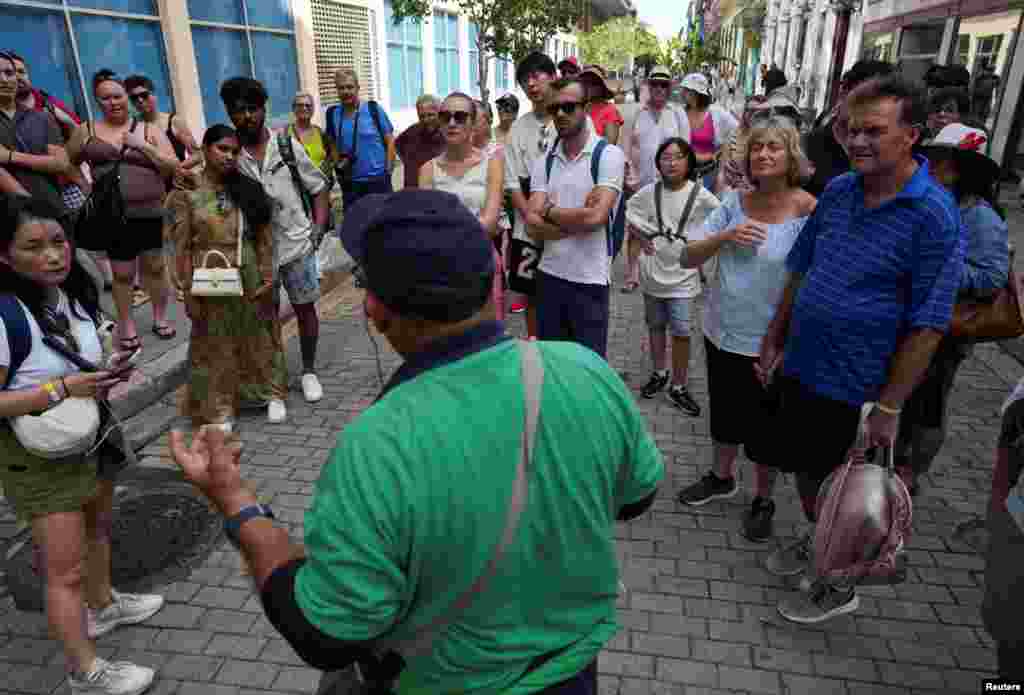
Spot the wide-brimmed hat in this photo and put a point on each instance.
(661, 73)
(570, 60)
(697, 82)
(969, 147)
(595, 74)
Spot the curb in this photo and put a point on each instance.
(153, 410)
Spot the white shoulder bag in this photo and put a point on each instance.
(220, 282)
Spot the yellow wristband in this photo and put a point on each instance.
(887, 410)
(51, 393)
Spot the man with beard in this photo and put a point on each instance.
(528, 140)
(569, 211)
(872, 281)
(299, 225)
(422, 141)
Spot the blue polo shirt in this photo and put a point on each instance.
(869, 277)
(414, 497)
(371, 152)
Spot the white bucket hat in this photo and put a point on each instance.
(969, 147)
(696, 82)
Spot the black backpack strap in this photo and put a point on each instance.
(284, 146)
(374, 108)
(658, 187)
(688, 209)
(19, 334)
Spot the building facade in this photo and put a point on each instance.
(188, 47)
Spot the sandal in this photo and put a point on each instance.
(164, 332)
(630, 287)
(131, 344)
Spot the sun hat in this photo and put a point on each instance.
(595, 74)
(969, 147)
(510, 99)
(571, 60)
(660, 72)
(696, 82)
(422, 253)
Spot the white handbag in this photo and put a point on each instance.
(67, 429)
(220, 282)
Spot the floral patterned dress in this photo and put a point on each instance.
(235, 356)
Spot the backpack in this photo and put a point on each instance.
(287, 150)
(334, 121)
(104, 209)
(616, 231)
(19, 334)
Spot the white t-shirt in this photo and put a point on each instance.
(661, 275)
(581, 258)
(528, 140)
(44, 363)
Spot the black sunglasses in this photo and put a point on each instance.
(140, 96)
(507, 108)
(460, 117)
(566, 107)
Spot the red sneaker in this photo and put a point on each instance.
(517, 307)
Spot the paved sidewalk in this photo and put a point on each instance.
(700, 613)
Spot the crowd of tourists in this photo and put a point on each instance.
(442, 553)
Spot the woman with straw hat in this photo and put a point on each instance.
(958, 161)
(603, 113)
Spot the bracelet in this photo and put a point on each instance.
(887, 410)
(52, 397)
(64, 385)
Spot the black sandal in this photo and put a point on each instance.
(164, 332)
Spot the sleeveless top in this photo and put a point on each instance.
(703, 139)
(179, 147)
(470, 188)
(142, 185)
(314, 148)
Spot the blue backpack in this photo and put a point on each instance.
(616, 232)
(19, 334)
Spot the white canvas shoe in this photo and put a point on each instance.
(276, 411)
(311, 388)
(112, 678)
(125, 609)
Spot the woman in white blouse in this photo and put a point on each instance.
(470, 173)
(68, 501)
(749, 237)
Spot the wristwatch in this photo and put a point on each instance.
(233, 526)
(548, 206)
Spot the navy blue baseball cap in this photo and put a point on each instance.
(422, 252)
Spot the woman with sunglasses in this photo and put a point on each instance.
(68, 502)
(233, 355)
(468, 172)
(749, 237)
(711, 127)
(315, 141)
(148, 163)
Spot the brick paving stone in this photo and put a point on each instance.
(665, 623)
(918, 676)
(206, 689)
(219, 597)
(228, 621)
(182, 641)
(297, 680)
(753, 680)
(625, 664)
(735, 653)
(251, 673)
(845, 667)
(783, 660)
(236, 646)
(190, 667)
(35, 680)
(680, 671)
(660, 645)
(806, 685)
(26, 650)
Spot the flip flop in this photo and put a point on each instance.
(164, 332)
(630, 287)
(130, 344)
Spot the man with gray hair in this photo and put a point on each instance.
(422, 141)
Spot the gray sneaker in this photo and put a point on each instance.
(791, 559)
(822, 602)
(112, 678)
(125, 609)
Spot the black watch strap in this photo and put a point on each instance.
(233, 525)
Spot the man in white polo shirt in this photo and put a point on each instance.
(569, 211)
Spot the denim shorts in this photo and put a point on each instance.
(299, 279)
(673, 312)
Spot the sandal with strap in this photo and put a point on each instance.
(164, 332)
(131, 344)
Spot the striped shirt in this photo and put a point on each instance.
(869, 278)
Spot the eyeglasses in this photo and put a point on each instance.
(302, 107)
(507, 108)
(141, 96)
(460, 117)
(658, 85)
(566, 107)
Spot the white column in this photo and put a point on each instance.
(429, 64)
(823, 65)
(181, 62)
(1011, 96)
(809, 62)
(796, 30)
(465, 71)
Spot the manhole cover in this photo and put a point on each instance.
(155, 534)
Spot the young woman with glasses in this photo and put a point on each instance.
(471, 174)
(148, 164)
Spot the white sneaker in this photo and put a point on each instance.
(311, 388)
(276, 411)
(125, 609)
(112, 678)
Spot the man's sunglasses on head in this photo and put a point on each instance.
(566, 107)
(460, 117)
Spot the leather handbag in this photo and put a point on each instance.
(998, 319)
(864, 513)
(220, 282)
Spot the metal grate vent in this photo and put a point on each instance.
(345, 38)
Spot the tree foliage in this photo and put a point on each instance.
(615, 43)
(505, 28)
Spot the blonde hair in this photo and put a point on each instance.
(799, 167)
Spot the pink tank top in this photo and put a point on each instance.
(703, 140)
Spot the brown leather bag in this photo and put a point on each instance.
(998, 319)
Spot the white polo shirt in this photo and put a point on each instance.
(581, 258)
(646, 137)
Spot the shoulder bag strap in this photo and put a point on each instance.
(241, 232)
(19, 334)
(533, 380)
(375, 114)
(287, 152)
(658, 187)
(688, 209)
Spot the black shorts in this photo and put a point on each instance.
(742, 410)
(812, 433)
(523, 260)
(136, 238)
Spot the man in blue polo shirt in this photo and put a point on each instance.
(873, 278)
(363, 139)
(428, 521)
